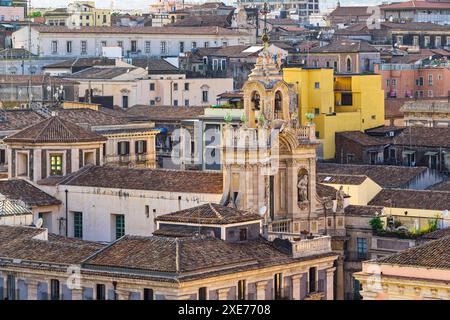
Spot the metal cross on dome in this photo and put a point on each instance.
(264, 11)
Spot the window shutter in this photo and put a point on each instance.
(127, 147)
(136, 147)
(144, 146)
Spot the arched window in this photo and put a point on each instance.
(349, 64)
(278, 105)
(256, 101)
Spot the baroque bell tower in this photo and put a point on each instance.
(270, 160)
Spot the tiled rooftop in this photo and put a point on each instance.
(341, 179)
(188, 258)
(210, 213)
(413, 199)
(54, 130)
(385, 176)
(20, 243)
(18, 189)
(362, 138)
(146, 179)
(434, 255)
(355, 210)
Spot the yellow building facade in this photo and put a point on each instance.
(338, 102)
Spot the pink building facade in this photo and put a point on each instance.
(406, 81)
(11, 13)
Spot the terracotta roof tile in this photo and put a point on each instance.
(362, 138)
(341, 179)
(20, 243)
(413, 199)
(355, 210)
(385, 176)
(26, 192)
(147, 179)
(187, 255)
(434, 254)
(164, 113)
(437, 137)
(54, 130)
(210, 213)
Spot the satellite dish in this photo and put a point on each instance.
(262, 211)
(39, 223)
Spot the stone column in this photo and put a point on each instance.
(330, 284)
(296, 286)
(77, 294)
(32, 289)
(122, 294)
(340, 279)
(261, 290)
(222, 294)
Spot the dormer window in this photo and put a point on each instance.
(56, 165)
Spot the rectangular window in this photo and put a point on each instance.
(141, 147)
(11, 287)
(361, 247)
(242, 286)
(148, 294)
(69, 46)
(148, 46)
(205, 96)
(2, 156)
(123, 148)
(416, 41)
(56, 165)
(152, 102)
(437, 41)
(277, 285)
(78, 225)
(54, 289)
(202, 293)
(399, 40)
(163, 47)
(223, 64)
(215, 64)
(312, 280)
(124, 102)
(120, 225)
(430, 79)
(181, 46)
(83, 47)
(242, 234)
(206, 44)
(133, 46)
(430, 93)
(419, 82)
(186, 102)
(448, 40)
(394, 82)
(317, 85)
(175, 103)
(152, 87)
(101, 292)
(186, 86)
(104, 44)
(120, 44)
(426, 41)
(175, 87)
(194, 45)
(54, 46)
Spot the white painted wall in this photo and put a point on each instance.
(42, 42)
(97, 205)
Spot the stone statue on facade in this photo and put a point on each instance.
(303, 188)
(340, 194)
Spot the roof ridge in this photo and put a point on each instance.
(62, 122)
(215, 211)
(43, 128)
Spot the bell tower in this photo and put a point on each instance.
(270, 160)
